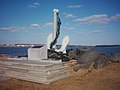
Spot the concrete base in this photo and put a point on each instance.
(35, 71)
(37, 53)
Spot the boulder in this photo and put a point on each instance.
(85, 66)
(88, 57)
(115, 57)
(76, 54)
(57, 55)
(72, 55)
(101, 61)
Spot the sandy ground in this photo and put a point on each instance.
(107, 78)
(2, 57)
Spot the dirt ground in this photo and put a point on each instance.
(2, 57)
(107, 78)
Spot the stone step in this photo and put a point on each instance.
(18, 69)
(35, 72)
(32, 66)
(46, 78)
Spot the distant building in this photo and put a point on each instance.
(20, 45)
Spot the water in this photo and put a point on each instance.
(107, 50)
(14, 51)
(22, 51)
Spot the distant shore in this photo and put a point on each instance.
(107, 46)
(30, 45)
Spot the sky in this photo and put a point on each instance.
(86, 22)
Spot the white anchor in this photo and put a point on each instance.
(52, 38)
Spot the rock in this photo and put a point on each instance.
(88, 57)
(76, 54)
(83, 66)
(65, 58)
(72, 63)
(115, 57)
(84, 71)
(101, 61)
(72, 55)
(87, 66)
(76, 67)
(57, 55)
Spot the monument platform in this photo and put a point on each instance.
(35, 71)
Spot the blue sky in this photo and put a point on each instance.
(87, 22)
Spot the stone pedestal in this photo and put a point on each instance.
(34, 71)
(37, 53)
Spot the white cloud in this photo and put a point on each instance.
(65, 13)
(74, 6)
(116, 17)
(35, 25)
(82, 31)
(99, 31)
(68, 28)
(70, 16)
(49, 24)
(6, 28)
(34, 5)
(14, 28)
(96, 19)
(37, 4)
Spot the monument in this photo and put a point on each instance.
(52, 38)
(39, 53)
(38, 67)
